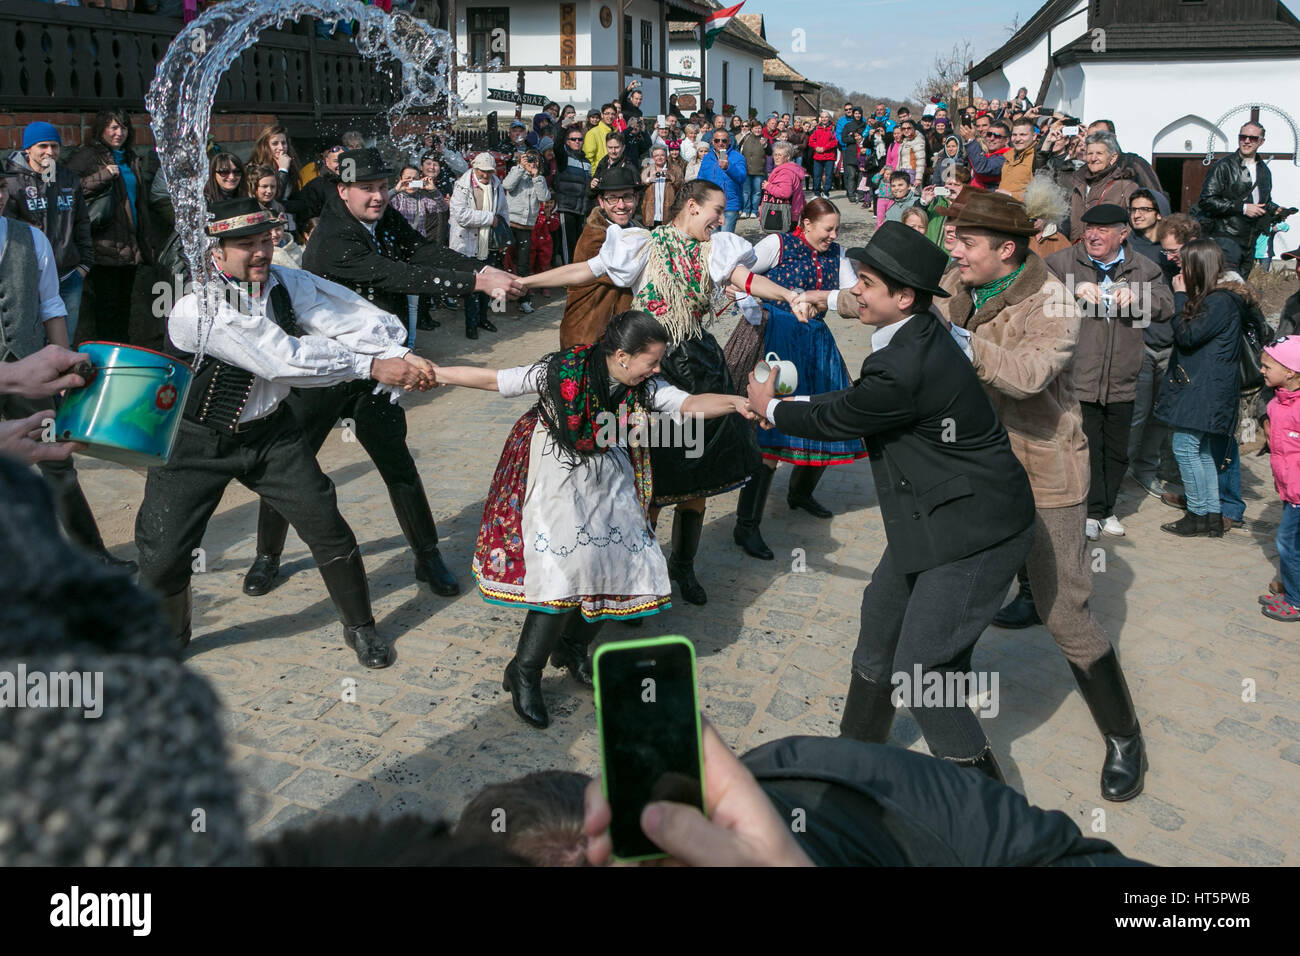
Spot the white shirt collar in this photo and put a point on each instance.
(882, 337)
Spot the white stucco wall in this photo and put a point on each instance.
(535, 40)
(1028, 67)
(739, 91)
(1158, 107)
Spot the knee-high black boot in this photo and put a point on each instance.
(687, 526)
(868, 711)
(271, 533)
(79, 521)
(1106, 692)
(572, 650)
(1021, 612)
(345, 579)
(749, 515)
(416, 520)
(523, 677)
(178, 609)
(803, 480)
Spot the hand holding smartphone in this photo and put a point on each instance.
(648, 716)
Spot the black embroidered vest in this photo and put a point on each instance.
(220, 391)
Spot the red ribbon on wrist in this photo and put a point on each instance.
(749, 282)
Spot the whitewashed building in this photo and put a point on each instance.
(1171, 75)
(734, 68)
(581, 52)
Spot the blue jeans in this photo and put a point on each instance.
(753, 194)
(1227, 459)
(1200, 473)
(729, 220)
(70, 292)
(1288, 552)
(823, 173)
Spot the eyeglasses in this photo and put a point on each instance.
(229, 172)
(628, 200)
(1243, 138)
(1141, 208)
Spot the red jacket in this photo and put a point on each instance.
(824, 142)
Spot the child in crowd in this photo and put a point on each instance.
(1281, 367)
(542, 246)
(880, 189)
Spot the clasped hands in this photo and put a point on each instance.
(410, 373)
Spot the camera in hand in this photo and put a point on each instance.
(1273, 213)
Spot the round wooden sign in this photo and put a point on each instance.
(606, 18)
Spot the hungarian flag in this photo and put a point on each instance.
(717, 22)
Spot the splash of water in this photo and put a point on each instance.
(180, 100)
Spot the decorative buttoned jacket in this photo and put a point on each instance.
(384, 268)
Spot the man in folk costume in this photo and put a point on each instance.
(274, 329)
(364, 244)
(678, 272)
(1024, 332)
(956, 505)
(587, 308)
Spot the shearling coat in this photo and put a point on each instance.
(589, 307)
(1023, 341)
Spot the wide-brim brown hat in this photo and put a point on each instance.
(905, 256)
(996, 212)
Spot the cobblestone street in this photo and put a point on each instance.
(773, 642)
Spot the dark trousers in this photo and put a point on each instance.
(850, 180)
(571, 230)
(933, 618)
(1148, 436)
(1240, 258)
(377, 424)
(106, 301)
(523, 255)
(272, 460)
(1107, 428)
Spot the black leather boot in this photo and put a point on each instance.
(471, 327)
(179, 609)
(79, 521)
(1188, 526)
(573, 649)
(412, 509)
(1106, 693)
(749, 515)
(1021, 611)
(985, 763)
(687, 526)
(523, 677)
(345, 579)
(868, 711)
(803, 480)
(1212, 524)
(272, 530)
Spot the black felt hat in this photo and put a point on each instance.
(905, 256)
(363, 165)
(232, 218)
(620, 177)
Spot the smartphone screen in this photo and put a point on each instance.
(649, 721)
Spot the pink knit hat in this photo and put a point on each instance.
(1286, 352)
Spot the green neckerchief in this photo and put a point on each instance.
(981, 294)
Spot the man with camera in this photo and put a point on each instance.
(1236, 204)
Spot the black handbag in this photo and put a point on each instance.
(100, 209)
(774, 216)
(1254, 332)
(502, 236)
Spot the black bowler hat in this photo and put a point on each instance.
(233, 218)
(363, 166)
(906, 256)
(620, 177)
(1106, 214)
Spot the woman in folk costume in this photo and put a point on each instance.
(808, 258)
(678, 272)
(566, 529)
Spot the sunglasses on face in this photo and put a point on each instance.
(993, 135)
(1248, 139)
(228, 172)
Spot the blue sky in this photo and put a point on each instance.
(893, 42)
